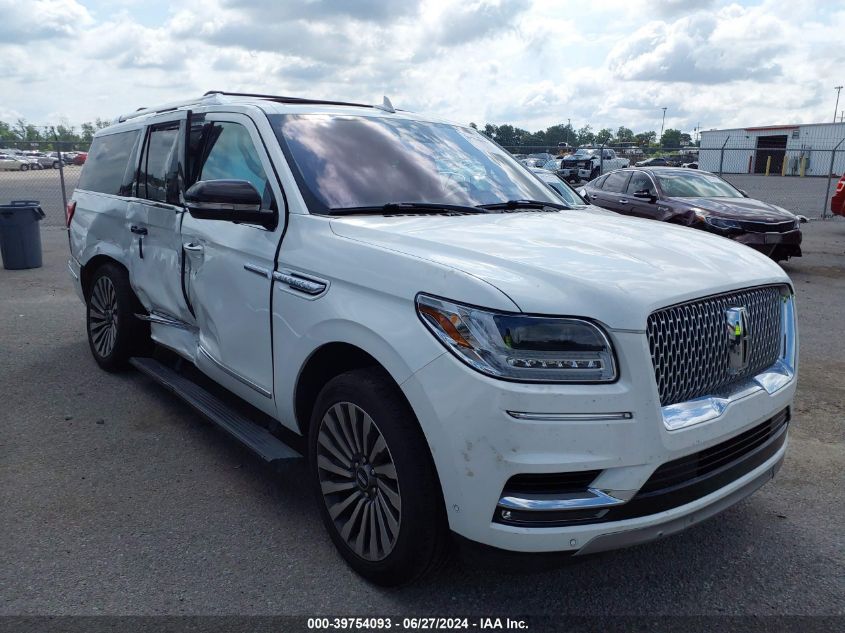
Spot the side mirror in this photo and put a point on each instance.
(645, 194)
(227, 200)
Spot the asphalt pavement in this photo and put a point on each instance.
(116, 498)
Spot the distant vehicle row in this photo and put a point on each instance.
(16, 160)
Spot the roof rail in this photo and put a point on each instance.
(283, 99)
(174, 105)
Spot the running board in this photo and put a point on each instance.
(258, 439)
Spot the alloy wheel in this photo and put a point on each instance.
(102, 316)
(358, 481)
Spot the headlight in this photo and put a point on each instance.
(721, 223)
(520, 347)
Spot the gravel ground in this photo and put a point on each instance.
(117, 499)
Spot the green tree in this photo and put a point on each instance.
(585, 135)
(671, 138)
(604, 135)
(686, 139)
(645, 138)
(624, 135)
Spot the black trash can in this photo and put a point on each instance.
(20, 237)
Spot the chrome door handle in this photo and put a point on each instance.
(193, 248)
(623, 200)
(138, 230)
(308, 286)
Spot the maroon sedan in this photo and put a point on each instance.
(700, 200)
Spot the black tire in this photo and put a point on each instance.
(423, 533)
(24, 167)
(55, 164)
(114, 333)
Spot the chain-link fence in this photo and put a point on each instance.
(43, 171)
(801, 179)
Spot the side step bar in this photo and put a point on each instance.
(255, 437)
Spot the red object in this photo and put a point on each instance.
(71, 209)
(80, 158)
(837, 202)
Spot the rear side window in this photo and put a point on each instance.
(110, 166)
(616, 181)
(158, 179)
(599, 182)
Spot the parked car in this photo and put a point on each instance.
(43, 160)
(656, 161)
(9, 162)
(80, 158)
(571, 198)
(700, 200)
(452, 355)
(837, 202)
(537, 160)
(692, 165)
(589, 163)
(67, 157)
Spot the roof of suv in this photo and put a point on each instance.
(270, 104)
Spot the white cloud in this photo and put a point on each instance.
(532, 64)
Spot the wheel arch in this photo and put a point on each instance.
(326, 362)
(87, 271)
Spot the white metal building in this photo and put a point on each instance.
(747, 150)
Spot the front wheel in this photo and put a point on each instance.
(379, 493)
(24, 167)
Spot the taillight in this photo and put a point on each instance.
(840, 185)
(71, 209)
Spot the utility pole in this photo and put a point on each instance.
(838, 89)
(663, 122)
(568, 130)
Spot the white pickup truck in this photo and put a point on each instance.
(455, 350)
(587, 164)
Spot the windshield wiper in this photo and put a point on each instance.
(408, 208)
(523, 204)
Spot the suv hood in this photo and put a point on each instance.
(613, 269)
(739, 208)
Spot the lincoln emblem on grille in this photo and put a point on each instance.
(739, 341)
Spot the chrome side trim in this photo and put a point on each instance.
(543, 503)
(258, 270)
(231, 372)
(773, 379)
(160, 318)
(300, 282)
(570, 417)
(73, 273)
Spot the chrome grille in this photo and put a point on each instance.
(689, 342)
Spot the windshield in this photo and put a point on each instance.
(692, 185)
(584, 152)
(343, 162)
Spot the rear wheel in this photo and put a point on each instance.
(380, 497)
(114, 332)
(24, 167)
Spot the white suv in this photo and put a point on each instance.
(454, 351)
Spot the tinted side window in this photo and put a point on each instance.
(108, 165)
(616, 181)
(599, 183)
(230, 154)
(641, 182)
(158, 179)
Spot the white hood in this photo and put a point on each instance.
(616, 270)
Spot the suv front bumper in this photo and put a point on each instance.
(617, 429)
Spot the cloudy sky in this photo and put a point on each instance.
(533, 64)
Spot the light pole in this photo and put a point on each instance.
(838, 89)
(568, 130)
(662, 123)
